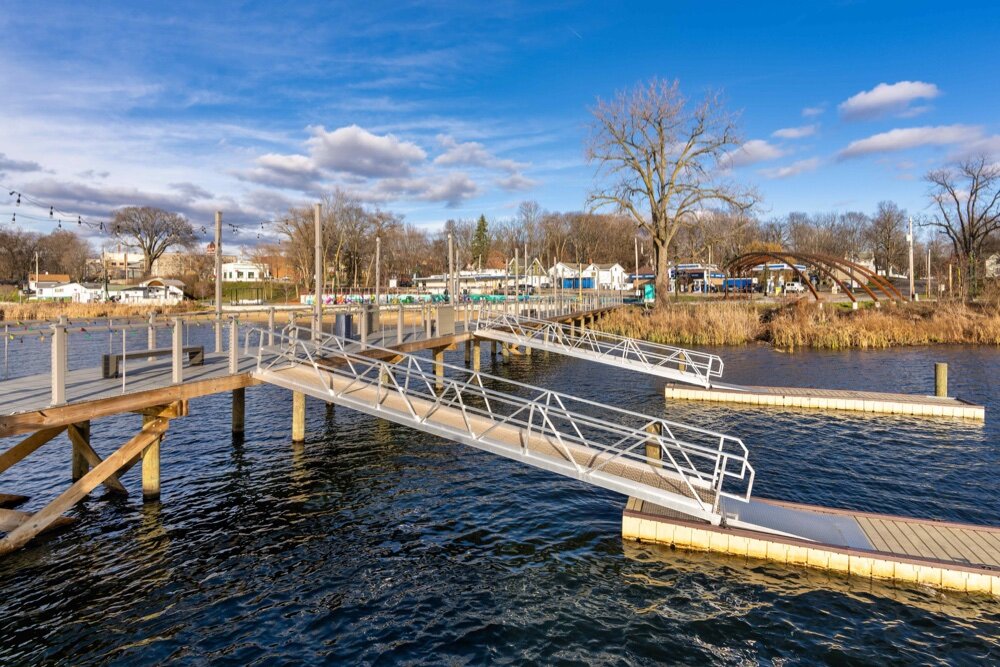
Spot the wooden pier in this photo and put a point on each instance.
(830, 399)
(158, 388)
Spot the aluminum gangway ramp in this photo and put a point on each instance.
(674, 363)
(683, 468)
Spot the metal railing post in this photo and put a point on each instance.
(270, 327)
(151, 334)
(234, 346)
(399, 325)
(59, 359)
(177, 351)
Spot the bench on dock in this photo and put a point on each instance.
(111, 363)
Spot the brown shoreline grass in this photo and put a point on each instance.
(50, 310)
(804, 325)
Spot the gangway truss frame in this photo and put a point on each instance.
(606, 446)
(667, 361)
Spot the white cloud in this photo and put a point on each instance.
(912, 137)
(472, 154)
(810, 112)
(516, 181)
(795, 132)
(886, 98)
(355, 150)
(753, 151)
(793, 169)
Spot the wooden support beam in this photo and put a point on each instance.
(8, 500)
(10, 520)
(28, 422)
(80, 437)
(79, 463)
(298, 416)
(476, 353)
(27, 446)
(79, 490)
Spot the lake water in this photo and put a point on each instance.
(373, 543)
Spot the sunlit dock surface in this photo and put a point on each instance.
(941, 554)
(829, 399)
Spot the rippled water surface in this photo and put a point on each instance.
(375, 543)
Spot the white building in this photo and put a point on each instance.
(74, 292)
(153, 291)
(243, 271)
(609, 276)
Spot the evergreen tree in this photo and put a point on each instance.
(480, 242)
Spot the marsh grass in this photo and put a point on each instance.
(47, 310)
(803, 324)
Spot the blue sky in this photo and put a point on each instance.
(444, 110)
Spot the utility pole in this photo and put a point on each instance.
(635, 280)
(318, 274)
(218, 280)
(909, 238)
(928, 271)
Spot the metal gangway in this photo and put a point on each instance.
(678, 467)
(674, 363)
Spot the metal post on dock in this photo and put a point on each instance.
(59, 357)
(218, 282)
(940, 379)
(399, 325)
(270, 327)
(317, 324)
(234, 346)
(151, 335)
(177, 351)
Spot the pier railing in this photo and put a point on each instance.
(676, 362)
(690, 468)
(78, 343)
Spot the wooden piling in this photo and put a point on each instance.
(653, 449)
(439, 367)
(151, 465)
(239, 409)
(940, 379)
(475, 355)
(298, 416)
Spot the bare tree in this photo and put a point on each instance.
(887, 236)
(153, 230)
(966, 196)
(63, 251)
(662, 161)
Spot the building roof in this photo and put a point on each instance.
(163, 282)
(50, 277)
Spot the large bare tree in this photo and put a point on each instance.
(153, 230)
(887, 236)
(966, 198)
(662, 162)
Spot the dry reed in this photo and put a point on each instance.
(48, 310)
(805, 325)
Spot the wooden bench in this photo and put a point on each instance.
(111, 363)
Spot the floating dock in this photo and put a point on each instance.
(830, 399)
(939, 554)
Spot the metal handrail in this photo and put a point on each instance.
(702, 366)
(696, 460)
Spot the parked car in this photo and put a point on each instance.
(792, 288)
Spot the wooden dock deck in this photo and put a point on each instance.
(940, 554)
(830, 399)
